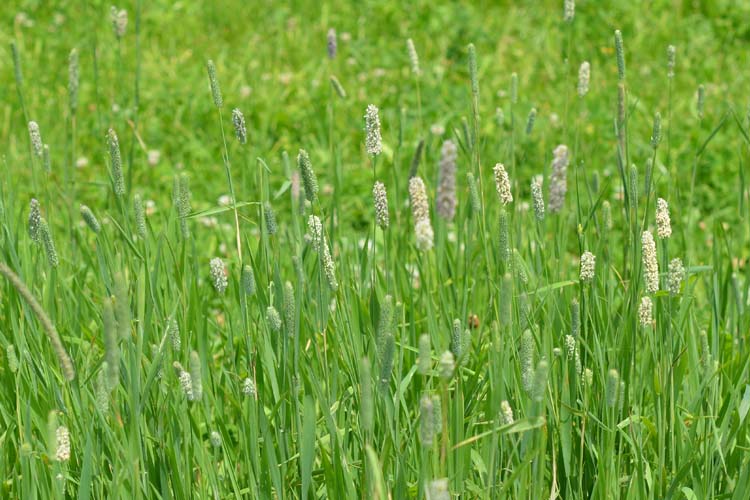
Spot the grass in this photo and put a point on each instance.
(397, 380)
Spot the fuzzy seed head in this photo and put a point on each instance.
(186, 382)
(270, 215)
(473, 76)
(620, 53)
(584, 78)
(196, 380)
(675, 276)
(656, 134)
(337, 87)
(645, 312)
(36, 138)
(650, 264)
(439, 490)
(612, 387)
(218, 275)
(446, 192)
(476, 204)
(214, 82)
(248, 387)
(119, 18)
(538, 198)
(418, 198)
(569, 10)
(331, 43)
(90, 219)
(215, 439)
(248, 280)
(413, 57)
(274, 319)
(424, 361)
(558, 182)
(526, 360)
(73, 76)
(309, 180)
(140, 216)
(373, 141)
(502, 184)
(238, 120)
(426, 421)
(173, 330)
(380, 198)
(588, 266)
(35, 220)
(118, 181)
(48, 243)
(530, 121)
(506, 412)
(425, 236)
(12, 358)
(62, 439)
(540, 380)
(447, 365)
(663, 223)
(514, 88)
(671, 54)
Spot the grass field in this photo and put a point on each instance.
(374, 250)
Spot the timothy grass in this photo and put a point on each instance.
(190, 312)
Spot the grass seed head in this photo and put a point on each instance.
(584, 78)
(612, 388)
(196, 380)
(373, 140)
(476, 204)
(620, 54)
(569, 11)
(558, 181)
(238, 121)
(588, 267)
(650, 264)
(537, 198)
(663, 222)
(218, 275)
(118, 181)
(675, 276)
(506, 413)
(309, 181)
(645, 312)
(36, 138)
(526, 360)
(413, 57)
(445, 199)
(91, 221)
(426, 421)
(380, 198)
(119, 19)
(48, 243)
(35, 220)
(447, 365)
(214, 83)
(140, 216)
(502, 184)
(331, 43)
(671, 55)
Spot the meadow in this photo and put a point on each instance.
(374, 250)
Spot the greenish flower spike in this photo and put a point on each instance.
(424, 360)
(473, 76)
(196, 380)
(270, 215)
(90, 219)
(526, 360)
(612, 387)
(426, 421)
(48, 243)
(620, 54)
(656, 133)
(274, 319)
(118, 181)
(73, 76)
(309, 180)
(140, 216)
(214, 82)
(248, 280)
(337, 87)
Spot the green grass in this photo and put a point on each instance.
(334, 400)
